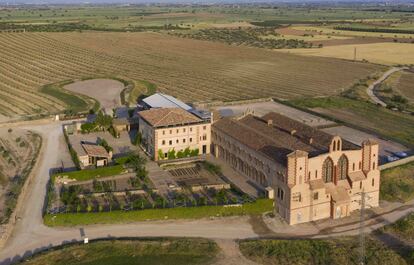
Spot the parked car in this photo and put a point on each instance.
(401, 154)
(392, 158)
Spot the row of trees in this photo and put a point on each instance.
(261, 37)
(173, 154)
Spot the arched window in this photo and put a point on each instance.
(343, 167)
(327, 170)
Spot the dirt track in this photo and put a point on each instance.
(106, 91)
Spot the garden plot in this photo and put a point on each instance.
(196, 177)
(18, 152)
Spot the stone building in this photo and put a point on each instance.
(314, 175)
(166, 129)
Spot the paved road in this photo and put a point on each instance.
(370, 89)
(30, 235)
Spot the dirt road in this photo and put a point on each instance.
(371, 88)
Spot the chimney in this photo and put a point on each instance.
(270, 122)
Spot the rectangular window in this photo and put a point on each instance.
(316, 196)
(163, 132)
(316, 174)
(191, 140)
(373, 165)
(353, 166)
(170, 131)
(204, 137)
(177, 141)
(191, 129)
(165, 155)
(163, 142)
(170, 142)
(184, 130)
(373, 182)
(360, 185)
(296, 197)
(184, 141)
(204, 127)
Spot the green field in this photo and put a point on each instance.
(397, 184)
(73, 219)
(403, 228)
(363, 115)
(131, 252)
(312, 252)
(121, 17)
(89, 174)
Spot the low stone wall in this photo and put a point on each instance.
(399, 162)
(179, 161)
(212, 186)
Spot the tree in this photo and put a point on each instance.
(171, 154)
(160, 154)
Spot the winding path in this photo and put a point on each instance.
(30, 235)
(371, 88)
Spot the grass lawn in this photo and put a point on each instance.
(364, 115)
(311, 252)
(72, 219)
(88, 174)
(397, 184)
(403, 228)
(132, 252)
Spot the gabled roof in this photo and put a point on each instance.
(278, 138)
(168, 117)
(159, 100)
(95, 150)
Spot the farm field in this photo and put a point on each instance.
(336, 32)
(123, 17)
(342, 250)
(366, 116)
(131, 252)
(382, 53)
(189, 69)
(405, 85)
(398, 183)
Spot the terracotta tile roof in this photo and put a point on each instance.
(339, 194)
(356, 176)
(316, 184)
(279, 138)
(95, 150)
(168, 117)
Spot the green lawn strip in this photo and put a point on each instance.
(89, 174)
(72, 219)
(127, 252)
(338, 251)
(364, 116)
(397, 184)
